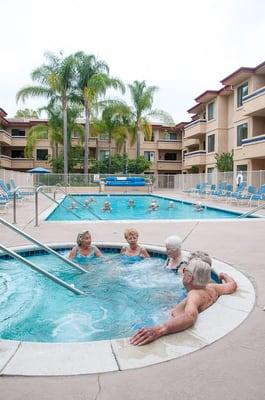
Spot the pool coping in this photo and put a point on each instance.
(60, 359)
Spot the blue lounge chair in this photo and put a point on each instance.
(9, 193)
(258, 196)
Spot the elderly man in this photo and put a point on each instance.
(201, 295)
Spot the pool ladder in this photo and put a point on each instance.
(248, 213)
(34, 266)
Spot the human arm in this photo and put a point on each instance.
(123, 250)
(97, 252)
(229, 286)
(72, 253)
(144, 253)
(181, 321)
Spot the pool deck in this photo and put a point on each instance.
(230, 368)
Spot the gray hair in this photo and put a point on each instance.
(80, 237)
(202, 255)
(200, 270)
(174, 242)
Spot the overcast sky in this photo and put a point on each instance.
(182, 46)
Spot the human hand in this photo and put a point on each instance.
(222, 275)
(146, 335)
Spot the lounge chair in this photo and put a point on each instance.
(258, 196)
(9, 193)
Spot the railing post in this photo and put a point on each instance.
(15, 207)
(37, 205)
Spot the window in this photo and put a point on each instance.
(211, 143)
(149, 155)
(242, 133)
(42, 154)
(241, 92)
(211, 111)
(103, 155)
(150, 139)
(104, 136)
(171, 156)
(17, 153)
(18, 132)
(171, 136)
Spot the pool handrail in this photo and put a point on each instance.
(248, 213)
(42, 245)
(39, 190)
(41, 270)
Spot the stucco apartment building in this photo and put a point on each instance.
(164, 149)
(231, 119)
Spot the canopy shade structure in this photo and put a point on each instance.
(39, 170)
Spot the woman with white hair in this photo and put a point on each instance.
(175, 258)
(84, 250)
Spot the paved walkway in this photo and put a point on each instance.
(231, 368)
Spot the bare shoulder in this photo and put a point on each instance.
(97, 251)
(72, 253)
(144, 252)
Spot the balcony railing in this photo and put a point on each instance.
(165, 144)
(256, 93)
(254, 103)
(193, 158)
(254, 139)
(195, 128)
(171, 165)
(5, 137)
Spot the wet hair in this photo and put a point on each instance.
(202, 255)
(200, 270)
(80, 237)
(128, 231)
(174, 242)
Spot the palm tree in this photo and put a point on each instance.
(93, 81)
(54, 129)
(55, 79)
(115, 122)
(142, 99)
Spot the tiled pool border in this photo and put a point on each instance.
(53, 359)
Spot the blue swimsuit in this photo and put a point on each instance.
(84, 260)
(132, 259)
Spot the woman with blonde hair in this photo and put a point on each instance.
(134, 252)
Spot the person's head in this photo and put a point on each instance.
(201, 255)
(171, 204)
(131, 235)
(196, 273)
(73, 204)
(83, 238)
(173, 246)
(198, 205)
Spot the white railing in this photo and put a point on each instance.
(20, 178)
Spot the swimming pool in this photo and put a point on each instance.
(119, 298)
(121, 210)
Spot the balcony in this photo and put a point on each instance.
(254, 103)
(148, 145)
(5, 162)
(195, 129)
(22, 163)
(253, 147)
(195, 158)
(92, 142)
(19, 141)
(5, 137)
(163, 144)
(190, 142)
(168, 165)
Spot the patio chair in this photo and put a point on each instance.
(220, 191)
(9, 193)
(258, 196)
(239, 194)
(13, 186)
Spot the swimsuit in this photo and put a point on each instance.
(175, 269)
(84, 259)
(126, 259)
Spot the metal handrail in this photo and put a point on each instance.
(48, 249)
(248, 213)
(41, 270)
(39, 189)
(15, 200)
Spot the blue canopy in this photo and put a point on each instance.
(39, 170)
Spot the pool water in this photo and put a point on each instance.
(121, 210)
(119, 298)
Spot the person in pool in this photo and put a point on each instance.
(153, 206)
(133, 253)
(175, 258)
(131, 203)
(107, 206)
(201, 295)
(198, 206)
(84, 251)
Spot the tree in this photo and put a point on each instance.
(118, 163)
(56, 82)
(115, 122)
(93, 80)
(142, 98)
(27, 113)
(224, 162)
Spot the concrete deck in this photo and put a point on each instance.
(231, 368)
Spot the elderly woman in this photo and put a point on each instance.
(175, 258)
(84, 251)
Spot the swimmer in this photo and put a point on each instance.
(153, 206)
(134, 252)
(89, 201)
(131, 203)
(107, 206)
(73, 205)
(198, 206)
(171, 204)
(84, 250)
(175, 258)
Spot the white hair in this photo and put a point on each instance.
(200, 270)
(202, 255)
(173, 242)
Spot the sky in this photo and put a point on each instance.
(182, 46)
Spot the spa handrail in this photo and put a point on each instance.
(42, 245)
(41, 270)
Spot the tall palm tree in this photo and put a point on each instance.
(54, 129)
(142, 99)
(115, 122)
(56, 80)
(93, 81)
